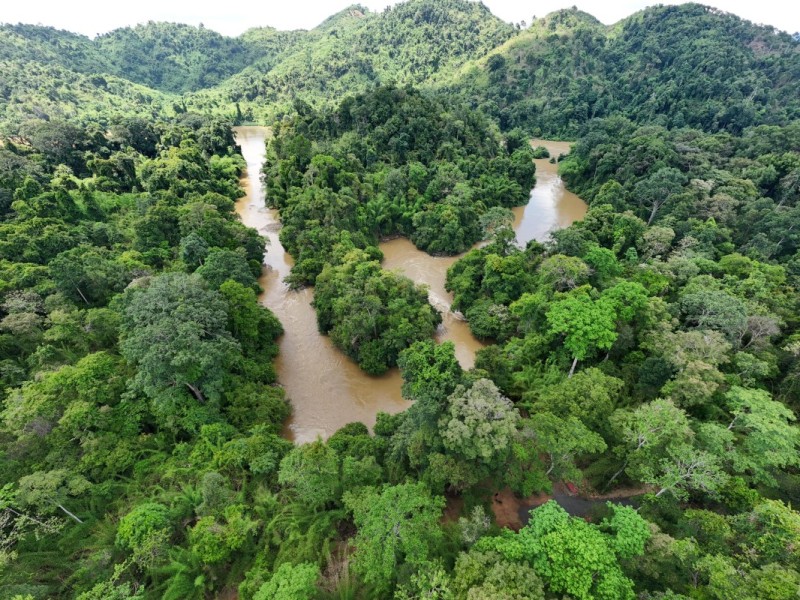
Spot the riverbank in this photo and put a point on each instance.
(514, 512)
(328, 390)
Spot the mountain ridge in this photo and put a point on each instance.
(548, 78)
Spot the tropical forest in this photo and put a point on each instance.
(417, 304)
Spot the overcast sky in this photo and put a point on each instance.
(91, 17)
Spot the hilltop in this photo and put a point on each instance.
(674, 65)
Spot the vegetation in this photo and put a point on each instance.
(674, 66)
(645, 359)
(388, 162)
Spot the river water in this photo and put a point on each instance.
(328, 390)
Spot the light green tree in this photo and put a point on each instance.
(574, 557)
(396, 524)
(291, 582)
(588, 325)
(479, 423)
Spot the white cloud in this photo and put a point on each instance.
(91, 17)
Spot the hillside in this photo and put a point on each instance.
(34, 43)
(416, 42)
(34, 90)
(176, 58)
(168, 57)
(675, 65)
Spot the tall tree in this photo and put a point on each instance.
(174, 330)
(397, 524)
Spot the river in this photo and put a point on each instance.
(328, 390)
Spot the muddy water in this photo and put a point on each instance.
(551, 205)
(401, 255)
(328, 390)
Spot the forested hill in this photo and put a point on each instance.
(169, 57)
(415, 42)
(687, 65)
(175, 58)
(676, 65)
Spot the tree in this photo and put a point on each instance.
(716, 310)
(88, 274)
(645, 432)
(658, 189)
(194, 250)
(589, 395)
(395, 524)
(255, 327)
(46, 490)
(588, 325)
(18, 526)
(430, 581)
(291, 582)
(489, 575)
(694, 356)
(214, 540)
(562, 441)
(767, 439)
(771, 529)
(684, 469)
(174, 332)
(141, 523)
(431, 373)
(479, 423)
(563, 273)
(311, 472)
(220, 266)
(572, 556)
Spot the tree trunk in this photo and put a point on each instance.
(81, 293)
(572, 369)
(196, 393)
(617, 474)
(656, 206)
(61, 506)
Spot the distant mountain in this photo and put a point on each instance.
(168, 57)
(672, 65)
(416, 42)
(33, 90)
(176, 58)
(47, 45)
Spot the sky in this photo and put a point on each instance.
(92, 17)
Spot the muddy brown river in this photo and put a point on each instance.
(328, 390)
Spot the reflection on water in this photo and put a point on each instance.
(551, 205)
(328, 390)
(401, 255)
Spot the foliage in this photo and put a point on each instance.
(140, 410)
(396, 525)
(571, 556)
(371, 314)
(290, 582)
